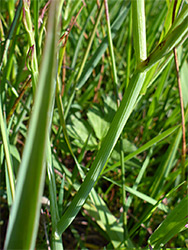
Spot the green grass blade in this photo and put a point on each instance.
(156, 139)
(56, 241)
(31, 37)
(166, 163)
(81, 37)
(102, 48)
(10, 174)
(85, 58)
(139, 29)
(10, 35)
(150, 209)
(171, 40)
(107, 146)
(141, 195)
(174, 223)
(26, 208)
(105, 219)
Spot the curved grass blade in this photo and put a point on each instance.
(26, 208)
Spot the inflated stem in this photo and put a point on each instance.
(24, 217)
(139, 29)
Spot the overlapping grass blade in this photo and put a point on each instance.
(32, 170)
(118, 124)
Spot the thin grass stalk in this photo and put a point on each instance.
(129, 49)
(102, 47)
(63, 124)
(82, 36)
(181, 101)
(125, 231)
(114, 71)
(11, 32)
(111, 50)
(31, 35)
(139, 177)
(36, 17)
(84, 59)
(56, 241)
(153, 141)
(8, 156)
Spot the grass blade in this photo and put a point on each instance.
(174, 223)
(32, 170)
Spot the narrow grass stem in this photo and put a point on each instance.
(28, 26)
(111, 49)
(84, 59)
(129, 49)
(10, 35)
(114, 71)
(8, 157)
(181, 101)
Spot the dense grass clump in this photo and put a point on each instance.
(93, 116)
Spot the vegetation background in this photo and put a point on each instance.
(93, 111)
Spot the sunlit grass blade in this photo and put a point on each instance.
(150, 209)
(139, 29)
(32, 170)
(175, 222)
(171, 40)
(107, 146)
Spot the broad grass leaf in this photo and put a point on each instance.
(97, 120)
(79, 132)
